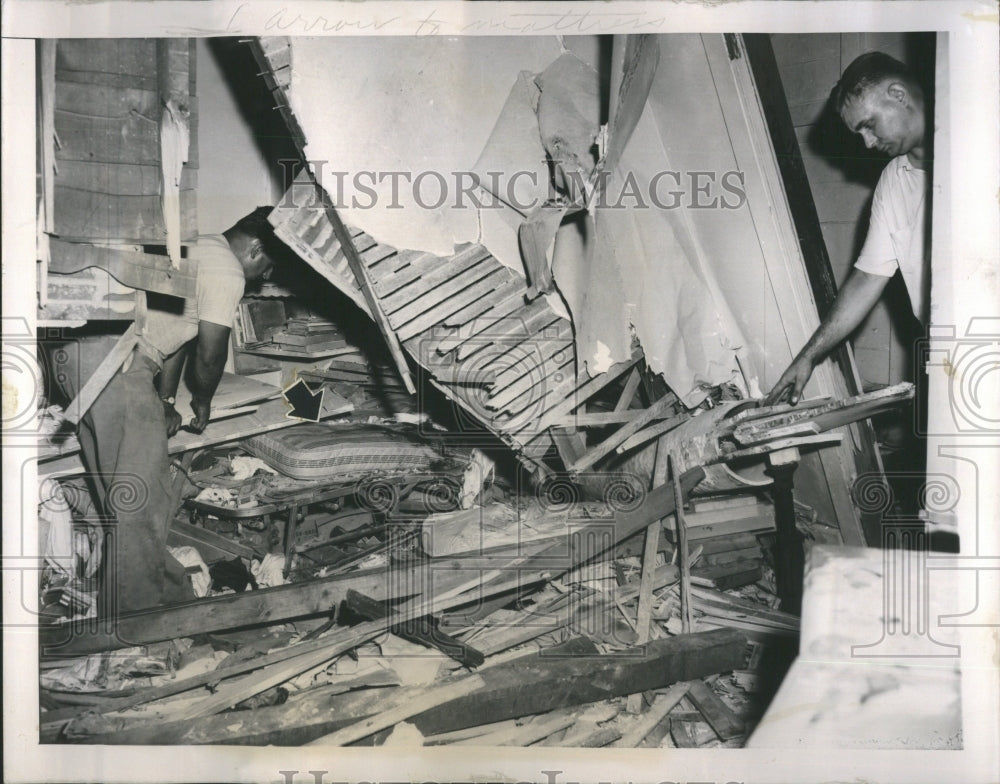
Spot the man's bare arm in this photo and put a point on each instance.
(211, 350)
(854, 301)
(170, 377)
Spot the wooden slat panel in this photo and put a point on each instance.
(510, 285)
(405, 271)
(548, 373)
(101, 101)
(460, 301)
(544, 350)
(83, 215)
(131, 140)
(132, 56)
(518, 322)
(421, 281)
(502, 307)
(117, 179)
(422, 268)
(440, 294)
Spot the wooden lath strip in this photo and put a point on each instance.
(536, 366)
(586, 388)
(405, 308)
(422, 271)
(509, 286)
(628, 393)
(538, 393)
(514, 324)
(659, 410)
(550, 345)
(553, 388)
(459, 300)
(502, 308)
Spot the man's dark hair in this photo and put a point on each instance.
(867, 71)
(256, 226)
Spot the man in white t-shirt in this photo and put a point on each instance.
(123, 436)
(878, 98)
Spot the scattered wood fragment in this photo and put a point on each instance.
(662, 705)
(421, 630)
(431, 697)
(727, 725)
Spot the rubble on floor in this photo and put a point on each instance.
(490, 660)
(370, 580)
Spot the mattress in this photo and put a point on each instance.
(322, 450)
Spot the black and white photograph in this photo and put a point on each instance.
(479, 391)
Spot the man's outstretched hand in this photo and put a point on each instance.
(173, 419)
(791, 383)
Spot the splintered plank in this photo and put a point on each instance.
(659, 410)
(586, 388)
(136, 270)
(525, 686)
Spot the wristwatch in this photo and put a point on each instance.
(169, 399)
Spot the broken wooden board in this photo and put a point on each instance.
(731, 575)
(720, 717)
(144, 271)
(210, 545)
(763, 425)
(528, 685)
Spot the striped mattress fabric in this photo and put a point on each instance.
(327, 451)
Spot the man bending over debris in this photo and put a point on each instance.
(123, 436)
(878, 98)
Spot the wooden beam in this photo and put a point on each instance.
(173, 76)
(682, 547)
(102, 376)
(374, 306)
(644, 614)
(629, 390)
(144, 271)
(527, 685)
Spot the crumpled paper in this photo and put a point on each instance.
(269, 571)
(243, 467)
(190, 559)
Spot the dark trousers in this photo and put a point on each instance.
(123, 440)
